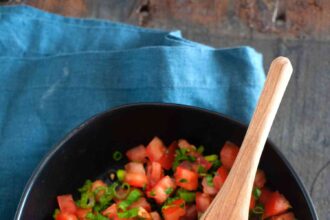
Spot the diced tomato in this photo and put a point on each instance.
(200, 161)
(111, 211)
(162, 190)
(286, 216)
(136, 179)
(252, 202)
(186, 178)
(154, 173)
(66, 204)
(135, 167)
(220, 178)
(66, 216)
(175, 210)
(137, 154)
(275, 205)
(96, 184)
(260, 179)
(228, 154)
(155, 149)
(81, 213)
(211, 190)
(168, 157)
(142, 202)
(184, 144)
(265, 195)
(143, 214)
(155, 216)
(203, 201)
(191, 213)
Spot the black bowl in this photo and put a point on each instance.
(86, 153)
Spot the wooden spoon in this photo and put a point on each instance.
(232, 201)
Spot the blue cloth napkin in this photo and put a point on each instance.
(56, 72)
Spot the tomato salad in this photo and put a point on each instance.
(176, 182)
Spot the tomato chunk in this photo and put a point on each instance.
(184, 144)
(211, 190)
(228, 154)
(162, 190)
(260, 179)
(111, 212)
(142, 202)
(265, 195)
(66, 216)
(67, 204)
(175, 210)
(81, 213)
(203, 201)
(252, 202)
(286, 216)
(155, 216)
(191, 213)
(154, 173)
(186, 178)
(155, 149)
(136, 179)
(96, 184)
(275, 205)
(168, 158)
(137, 154)
(220, 178)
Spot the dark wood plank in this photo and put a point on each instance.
(299, 29)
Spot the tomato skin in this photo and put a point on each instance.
(155, 216)
(211, 190)
(168, 158)
(260, 179)
(81, 213)
(220, 178)
(142, 202)
(154, 173)
(67, 204)
(137, 154)
(275, 205)
(158, 192)
(155, 149)
(286, 216)
(66, 216)
(191, 213)
(203, 201)
(186, 178)
(228, 154)
(175, 210)
(265, 195)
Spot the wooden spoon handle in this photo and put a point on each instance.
(232, 202)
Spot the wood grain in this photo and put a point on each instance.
(298, 29)
(233, 200)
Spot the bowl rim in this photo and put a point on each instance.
(43, 162)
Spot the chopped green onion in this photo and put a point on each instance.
(201, 169)
(86, 200)
(183, 180)
(209, 180)
(122, 191)
(169, 190)
(56, 212)
(216, 164)
(129, 213)
(133, 196)
(186, 195)
(256, 193)
(86, 187)
(120, 175)
(117, 155)
(97, 216)
(211, 158)
(152, 193)
(200, 149)
(259, 209)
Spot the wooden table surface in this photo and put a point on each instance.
(299, 29)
